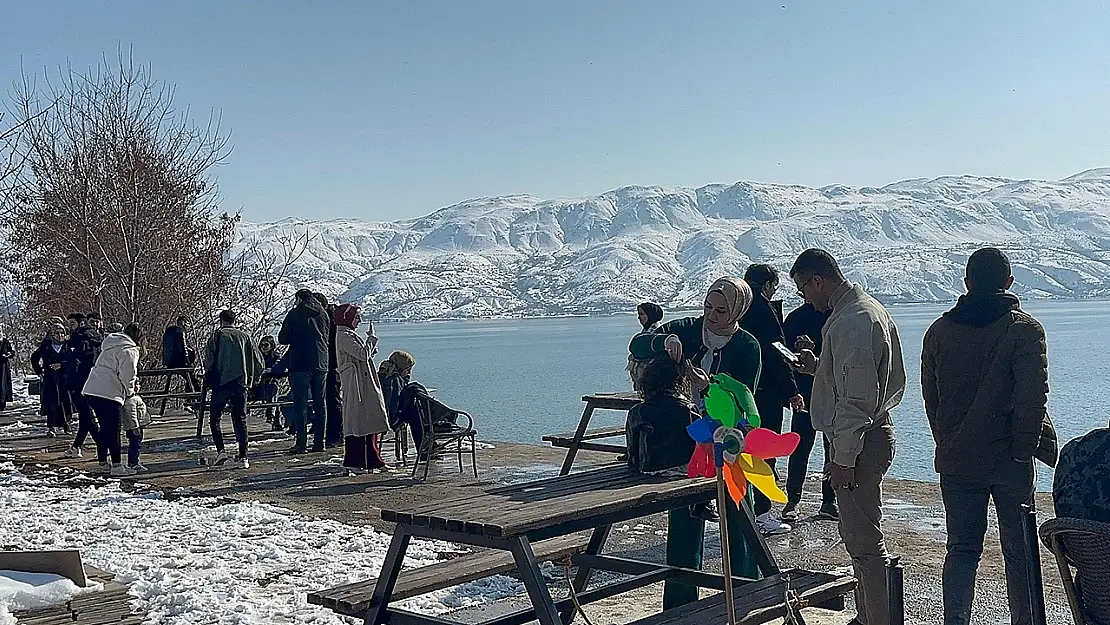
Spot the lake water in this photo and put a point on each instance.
(522, 379)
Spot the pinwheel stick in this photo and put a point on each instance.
(722, 508)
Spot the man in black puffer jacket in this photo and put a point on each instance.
(984, 377)
(305, 330)
(777, 387)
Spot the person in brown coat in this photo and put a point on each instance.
(984, 377)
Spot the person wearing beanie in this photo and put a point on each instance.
(984, 377)
(364, 414)
(232, 364)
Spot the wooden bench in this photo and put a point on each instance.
(582, 437)
(567, 439)
(761, 601)
(356, 598)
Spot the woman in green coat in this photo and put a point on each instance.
(713, 343)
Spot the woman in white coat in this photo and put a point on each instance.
(364, 415)
(111, 383)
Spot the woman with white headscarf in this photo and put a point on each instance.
(713, 343)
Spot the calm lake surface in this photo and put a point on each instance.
(522, 379)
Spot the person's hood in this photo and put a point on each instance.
(118, 340)
(979, 310)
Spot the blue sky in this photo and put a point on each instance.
(386, 110)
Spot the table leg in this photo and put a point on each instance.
(165, 391)
(572, 451)
(529, 570)
(582, 577)
(200, 410)
(755, 540)
(387, 578)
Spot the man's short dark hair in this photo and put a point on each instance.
(182, 318)
(227, 316)
(761, 274)
(304, 295)
(76, 316)
(134, 331)
(988, 270)
(321, 298)
(816, 262)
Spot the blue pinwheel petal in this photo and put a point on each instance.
(702, 430)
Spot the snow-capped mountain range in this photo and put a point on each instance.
(519, 255)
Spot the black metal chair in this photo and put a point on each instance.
(1084, 545)
(444, 435)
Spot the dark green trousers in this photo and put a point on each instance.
(685, 542)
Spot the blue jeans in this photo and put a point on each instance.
(305, 385)
(134, 446)
(965, 509)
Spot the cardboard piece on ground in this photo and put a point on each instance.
(65, 563)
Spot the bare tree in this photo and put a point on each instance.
(260, 278)
(116, 210)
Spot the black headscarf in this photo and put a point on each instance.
(654, 313)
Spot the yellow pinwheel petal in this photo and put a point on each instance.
(760, 475)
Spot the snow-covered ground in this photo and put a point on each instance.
(194, 561)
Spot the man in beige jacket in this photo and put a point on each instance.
(858, 378)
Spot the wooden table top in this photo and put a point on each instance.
(556, 506)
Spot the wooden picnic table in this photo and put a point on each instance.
(525, 523)
(583, 437)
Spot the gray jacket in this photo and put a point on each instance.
(860, 376)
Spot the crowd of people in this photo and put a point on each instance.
(984, 376)
(835, 363)
(90, 374)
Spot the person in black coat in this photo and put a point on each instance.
(176, 353)
(777, 386)
(305, 330)
(803, 331)
(49, 362)
(333, 399)
(7, 355)
(84, 347)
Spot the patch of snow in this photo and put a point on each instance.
(191, 561)
(20, 590)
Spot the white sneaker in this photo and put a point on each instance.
(120, 470)
(51, 433)
(72, 452)
(221, 459)
(138, 467)
(241, 463)
(770, 526)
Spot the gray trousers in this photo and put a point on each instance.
(861, 517)
(966, 498)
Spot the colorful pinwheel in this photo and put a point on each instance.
(730, 440)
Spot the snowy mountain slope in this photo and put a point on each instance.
(519, 255)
